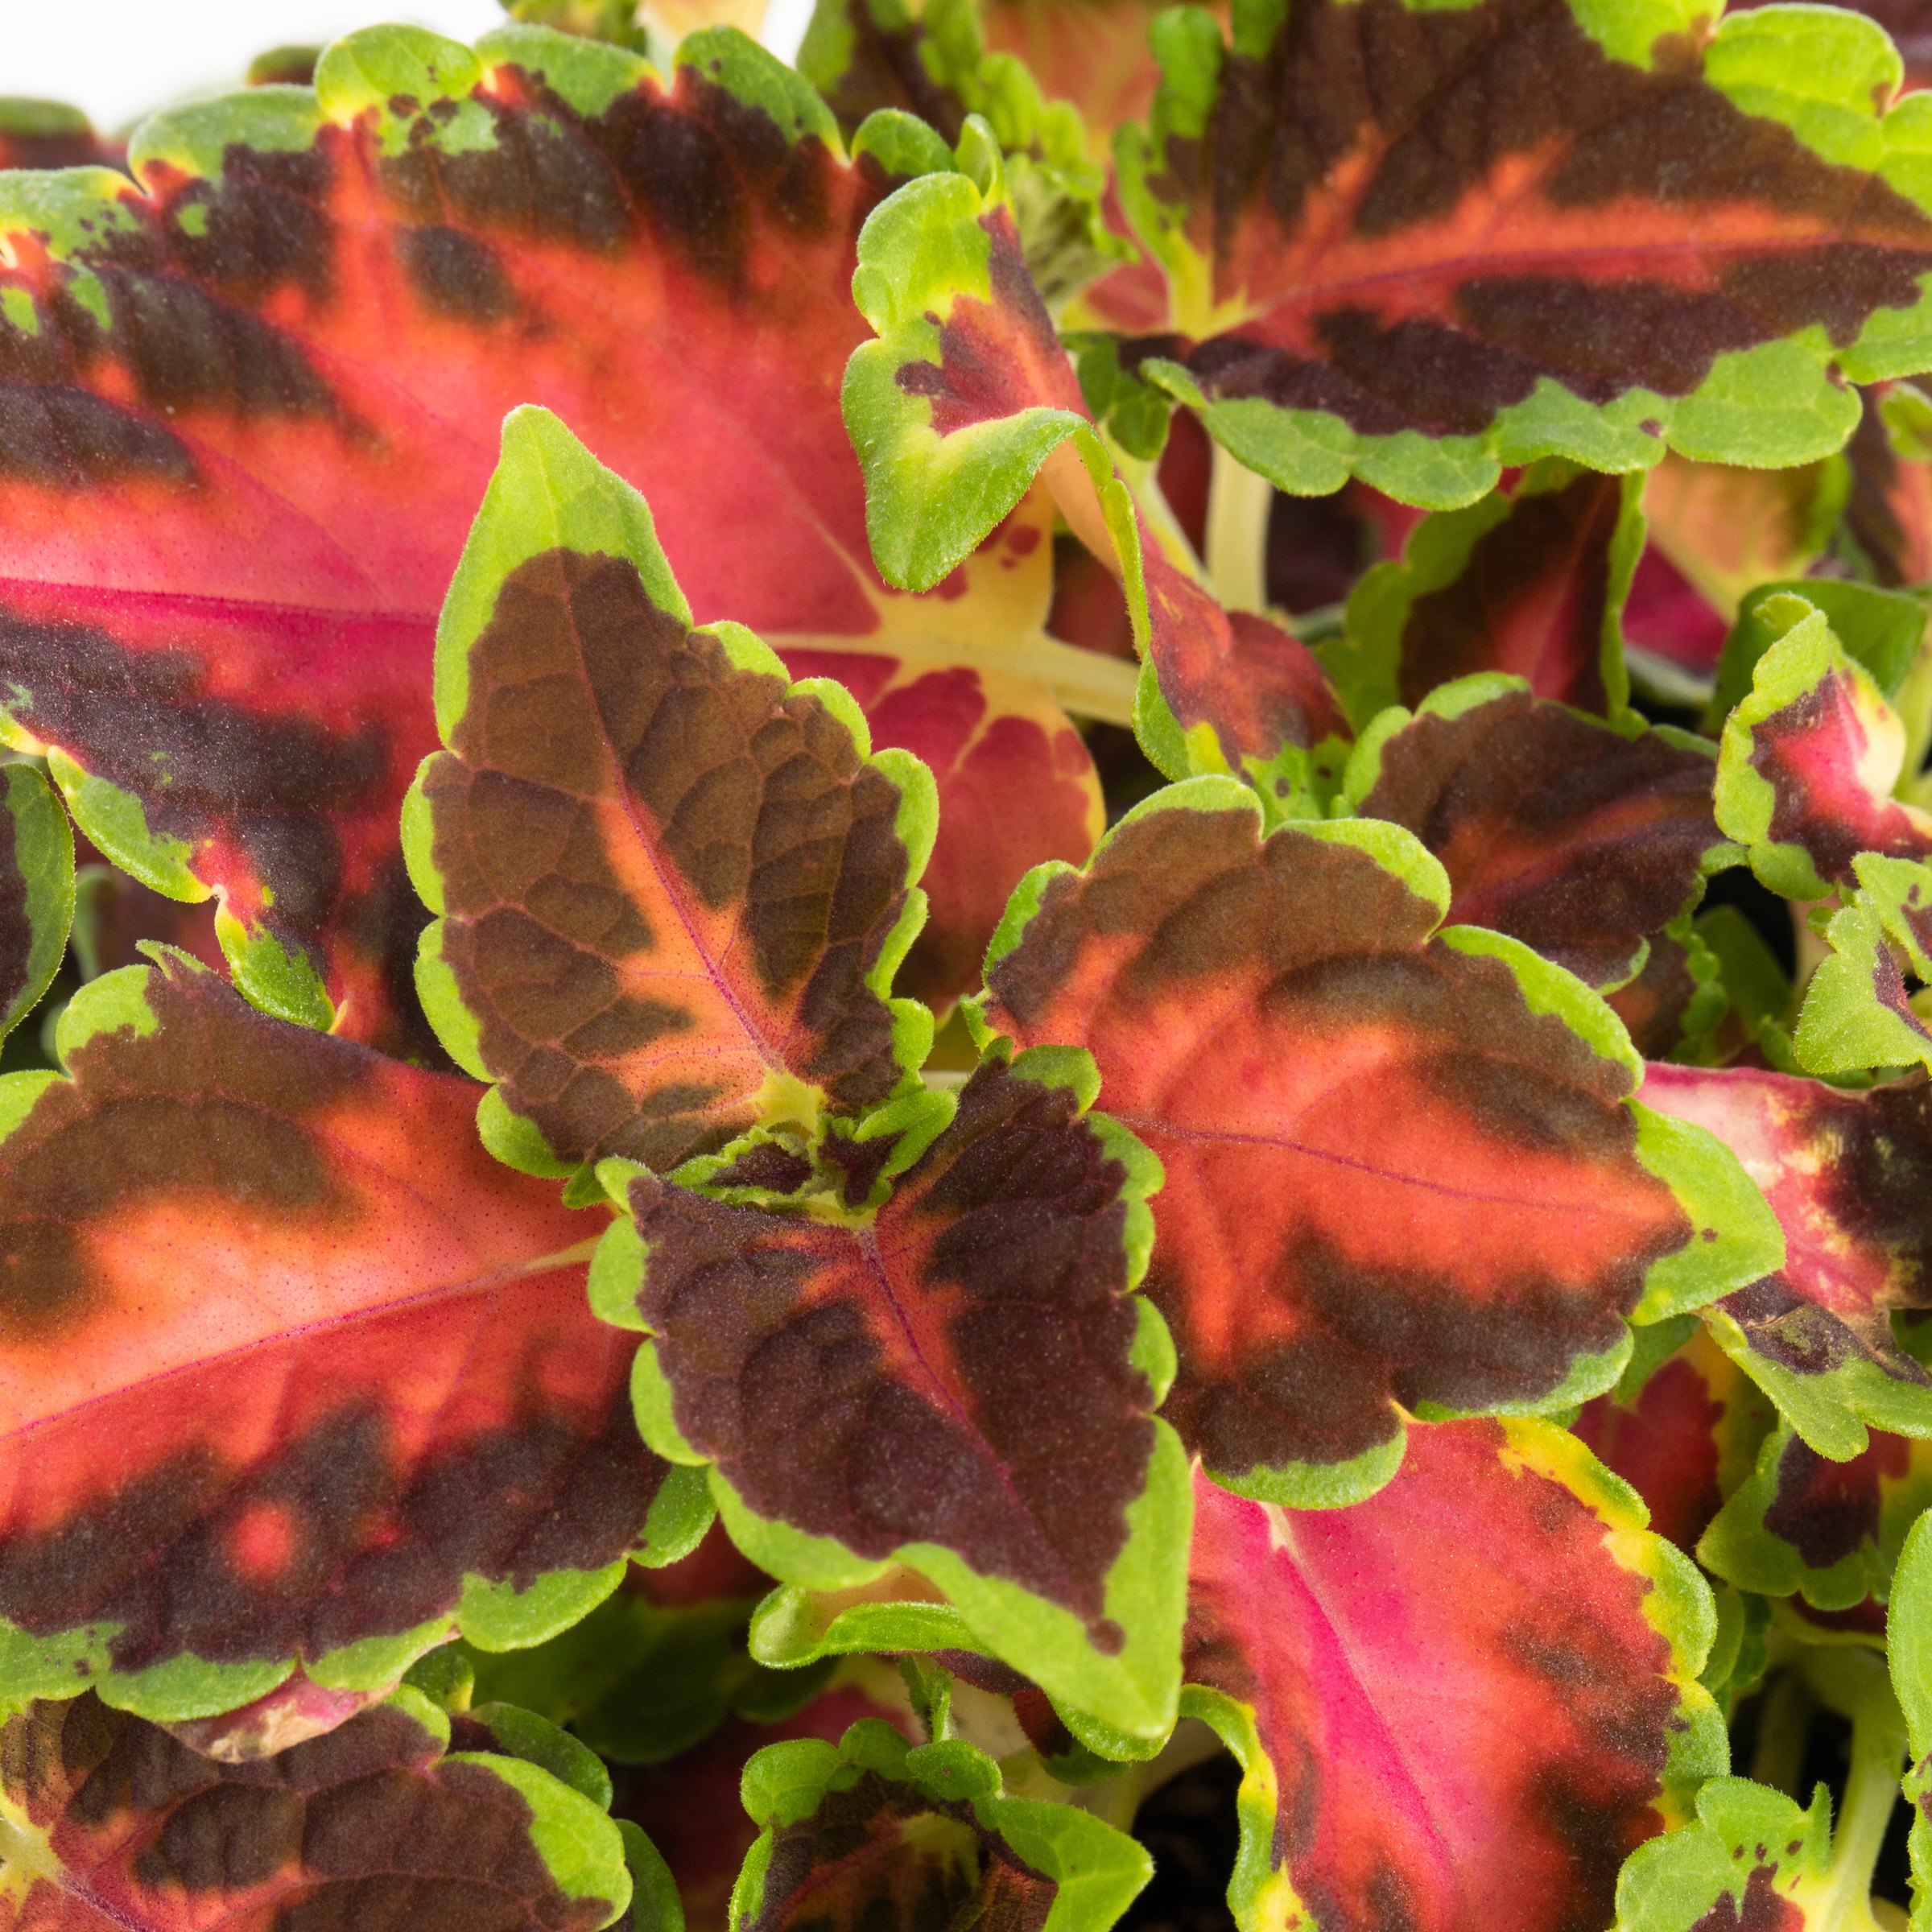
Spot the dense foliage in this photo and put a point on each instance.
(891, 944)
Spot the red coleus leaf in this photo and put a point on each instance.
(1809, 760)
(1672, 637)
(674, 887)
(1418, 242)
(291, 1372)
(967, 396)
(1459, 1704)
(957, 1381)
(256, 402)
(107, 1824)
(1684, 1440)
(1831, 1530)
(1530, 581)
(1846, 1174)
(1576, 839)
(1726, 528)
(1401, 1166)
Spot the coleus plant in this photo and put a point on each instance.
(698, 1224)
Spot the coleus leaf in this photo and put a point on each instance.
(50, 134)
(1678, 1000)
(866, 56)
(1846, 1174)
(1808, 761)
(673, 888)
(1685, 1439)
(1095, 55)
(1909, 22)
(1530, 581)
(1889, 513)
(967, 396)
(36, 890)
(1858, 1015)
(1442, 1728)
(873, 1830)
(691, 1806)
(1752, 1858)
(1831, 1530)
(1016, 786)
(956, 1380)
(640, 1682)
(1727, 528)
(1581, 840)
(1908, 1655)
(115, 913)
(1881, 629)
(293, 1375)
(257, 400)
(1672, 637)
(1324, 1076)
(107, 1824)
(1415, 244)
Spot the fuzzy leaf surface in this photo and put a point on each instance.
(1454, 1730)
(1325, 1076)
(1578, 840)
(1881, 629)
(291, 1371)
(1752, 1858)
(107, 1824)
(1417, 243)
(956, 1380)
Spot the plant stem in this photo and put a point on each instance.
(1855, 1683)
(1238, 503)
(1782, 1728)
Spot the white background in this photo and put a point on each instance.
(117, 59)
